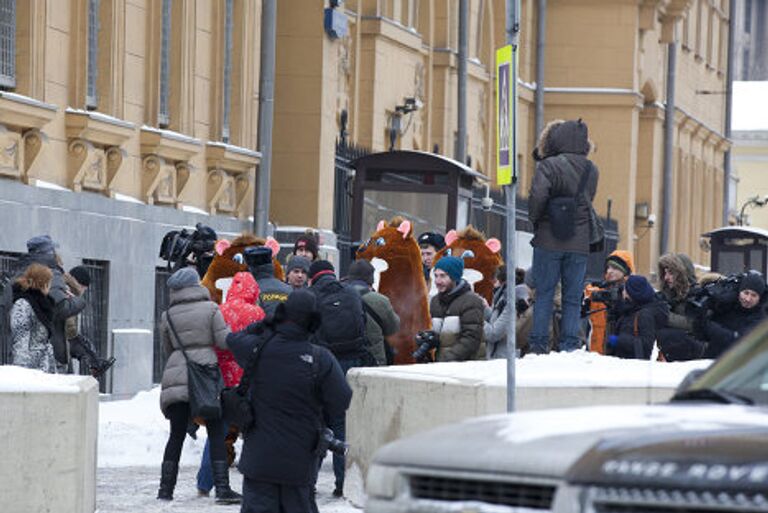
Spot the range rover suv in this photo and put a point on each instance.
(704, 451)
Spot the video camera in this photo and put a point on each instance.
(607, 293)
(717, 296)
(426, 340)
(327, 441)
(177, 246)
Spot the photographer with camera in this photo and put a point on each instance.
(638, 315)
(292, 385)
(731, 321)
(182, 248)
(678, 279)
(457, 317)
(601, 297)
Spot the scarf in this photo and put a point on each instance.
(41, 304)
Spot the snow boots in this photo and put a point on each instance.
(168, 472)
(224, 494)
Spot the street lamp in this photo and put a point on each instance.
(755, 201)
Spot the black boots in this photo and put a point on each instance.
(224, 494)
(168, 473)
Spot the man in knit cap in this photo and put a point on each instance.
(296, 272)
(457, 314)
(640, 314)
(306, 246)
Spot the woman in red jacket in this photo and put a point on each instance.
(239, 310)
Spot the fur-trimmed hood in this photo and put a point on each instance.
(560, 136)
(685, 276)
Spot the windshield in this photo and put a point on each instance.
(743, 370)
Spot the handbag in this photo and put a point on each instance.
(596, 232)
(561, 210)
(204, 384)
(235, 404)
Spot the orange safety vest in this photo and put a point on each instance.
(598, 321)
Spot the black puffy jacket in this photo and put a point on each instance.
(723, 330)
(636, 329)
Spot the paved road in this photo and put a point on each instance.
(133, 489)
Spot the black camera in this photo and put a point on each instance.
(426, 340)
(609, 295)
(327, 441)
(717, 296)
(178, 245)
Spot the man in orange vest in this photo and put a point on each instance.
(599, 296)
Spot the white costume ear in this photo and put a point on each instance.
(222, 245)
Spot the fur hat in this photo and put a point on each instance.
(80, 273)
(361, 270)
(298, 262)
(307, 242)
(320, 267)
(183, 278)
(452, 266)
(753, 281)
(433, 239)
(42, 244)
(639, 289)
(257, 255)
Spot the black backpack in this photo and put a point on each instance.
(342, 320)
(561, 210)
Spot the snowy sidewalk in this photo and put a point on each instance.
(132, 489)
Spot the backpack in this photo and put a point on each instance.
(561, 210)
(342, 320)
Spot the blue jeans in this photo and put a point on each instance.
(549, 268)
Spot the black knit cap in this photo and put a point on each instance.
(319, 266)
(299, 308)
(80, 273)
(639, 289)
(361, 270)
(308, 242)
(753, 281)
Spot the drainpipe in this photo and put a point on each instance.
(266, 115)
(539, 93)
(461, 135)
(669, 139)
(727, 161)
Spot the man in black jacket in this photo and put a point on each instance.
(272, 291)
(289, 391)
(562, 169)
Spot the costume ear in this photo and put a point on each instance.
(222, 245)
(273, 245)
(451, 237)
(404, 228)
(494, 245)
(381, 226)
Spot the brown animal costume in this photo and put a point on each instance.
(403, 282)
(478, 253)
(225, 264)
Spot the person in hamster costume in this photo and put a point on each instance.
(402, 282)
(229, 261)
(478, 253)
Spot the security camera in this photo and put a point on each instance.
(651, 219)
(486, 203)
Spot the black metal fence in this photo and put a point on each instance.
(343, 192)
(161, 305)
(94, 318)
(7, 270)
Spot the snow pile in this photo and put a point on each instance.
(133, 433)
(750, 110)
(576, 369)
(15, 379)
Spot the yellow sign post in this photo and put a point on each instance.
(505, 119)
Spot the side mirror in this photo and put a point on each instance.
(689, 379)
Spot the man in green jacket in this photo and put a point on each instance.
(457, 314)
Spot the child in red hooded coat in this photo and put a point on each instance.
(239, 310)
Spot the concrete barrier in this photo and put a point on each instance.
(132, 372)
(389, 403)
(47, 441)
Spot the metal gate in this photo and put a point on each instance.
(7, 270)
(162, 299)
(343, 193)
(94, 318)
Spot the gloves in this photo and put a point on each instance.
(612, 341)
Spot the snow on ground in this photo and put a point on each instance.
(18, 379)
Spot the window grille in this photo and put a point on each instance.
(162, 300)
(7, 44)
(8, 268)
(229, 5)
(94, 319)
(163, 116)
(91, 94)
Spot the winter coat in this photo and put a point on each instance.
(353, 345)
(457, 317)
(676, 295)
(239, 311)
(495, 328)
(200, 326)
(272, 291)
(636, 328)
(723, 330)
(30, 322)
(288, 403)
(375, 333)
(554, 178)
(65, 305)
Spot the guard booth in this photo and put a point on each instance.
(432, 191)
(735, 249)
